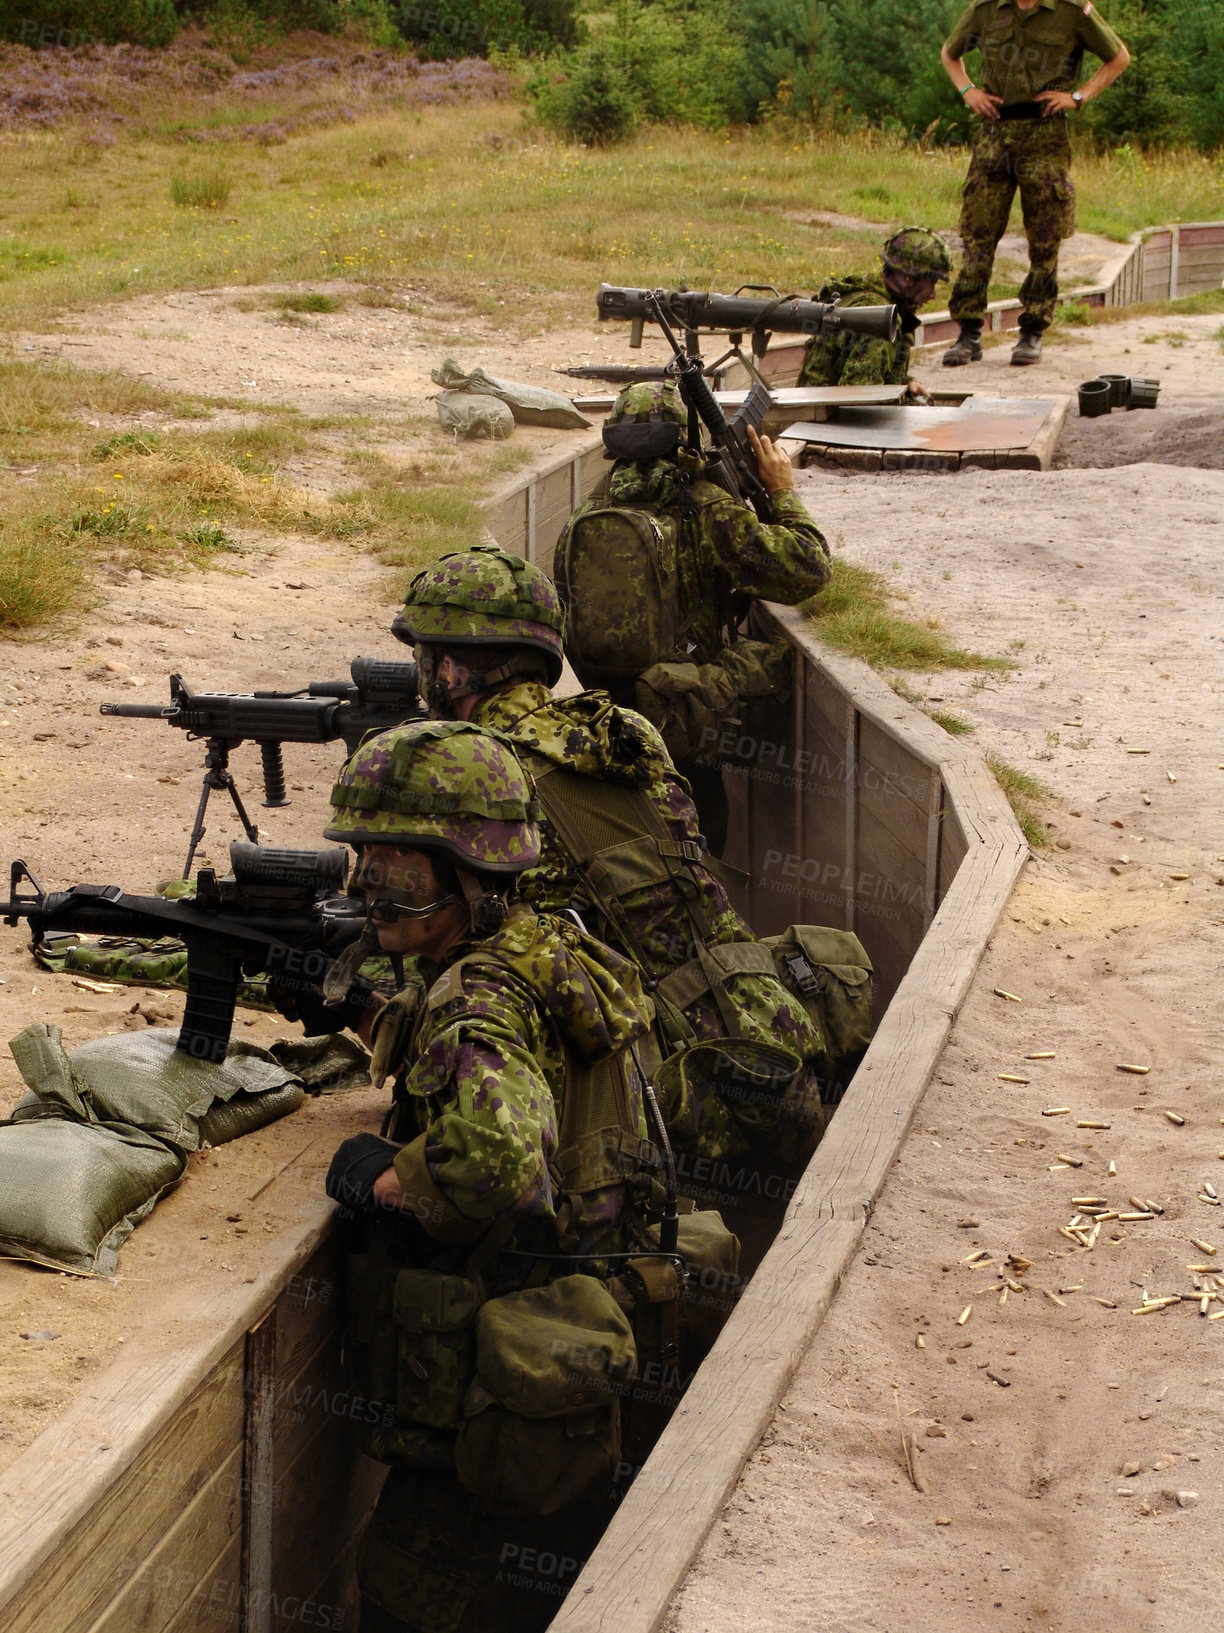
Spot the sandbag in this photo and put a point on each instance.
(530, 405)
(71, 1192)
(326, 1065)
(141, 1079)
(469, 414)
(227, 1120)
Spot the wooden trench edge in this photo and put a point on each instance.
(659, 1528)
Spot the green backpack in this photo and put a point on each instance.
(617, 571)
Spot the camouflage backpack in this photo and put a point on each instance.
(618, 573)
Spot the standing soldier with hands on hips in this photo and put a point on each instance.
(1031, 55)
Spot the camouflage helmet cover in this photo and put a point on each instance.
(917, 252)
(485, 597)
(440, 785)
(649, 399)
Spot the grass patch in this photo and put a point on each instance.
(206, 188)
(511, 223)
(853, 613)
(310, 302)
(954, 724)
(1024, 792)
(40, 581)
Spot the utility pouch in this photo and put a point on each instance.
(411, 1343)
(830, 973)
(712, 1286)
(541, 1427)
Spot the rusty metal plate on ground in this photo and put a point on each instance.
(976, 424)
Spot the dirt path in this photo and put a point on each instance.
(1025, 1419)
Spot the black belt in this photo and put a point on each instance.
(1022, 110)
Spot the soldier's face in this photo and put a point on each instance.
(915, 292)
(408, 908)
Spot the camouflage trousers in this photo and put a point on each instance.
(1033, 155)
(434, 1560)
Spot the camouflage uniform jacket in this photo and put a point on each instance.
(857, 360)
(479, 1050)
(1024, 52)
(591, 738)
(726, 555)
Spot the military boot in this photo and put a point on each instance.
(1027, 349)
(967, 348)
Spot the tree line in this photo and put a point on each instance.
(595, 75)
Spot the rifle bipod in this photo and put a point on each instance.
(217, 775)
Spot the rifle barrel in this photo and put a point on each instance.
(739, 314)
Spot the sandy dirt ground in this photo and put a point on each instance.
(1070, 1453)
(1109, 581)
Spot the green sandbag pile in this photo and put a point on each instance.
(105, 1131)
(477, 404)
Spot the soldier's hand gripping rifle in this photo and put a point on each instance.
(283, 912)
(379, 696)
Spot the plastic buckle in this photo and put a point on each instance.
(802, 975)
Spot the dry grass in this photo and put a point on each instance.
(1024, 793)
(471, 202)
(854, 613)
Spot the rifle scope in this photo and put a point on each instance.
(324, 871)
(741, 314)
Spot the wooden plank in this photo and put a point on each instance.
(311, 1306)
(890, 954)
(890, 772)
(312, 1534)
(258, 1473)
(215, 1602)
(1045, 443)
(953, 847)
(183, 1559)
(130, 1512)
(80, 1480)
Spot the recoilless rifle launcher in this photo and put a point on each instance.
(281, 911)
(379, 696)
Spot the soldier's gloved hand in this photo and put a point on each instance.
(356, 1166)
(914, 393)
(297, 1001)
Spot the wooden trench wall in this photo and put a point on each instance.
(209, 1478)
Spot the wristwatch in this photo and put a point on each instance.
(1078, 98)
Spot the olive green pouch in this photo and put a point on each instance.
(830, 972)
(434, 1315)
(712, 1285)
(541, 1427)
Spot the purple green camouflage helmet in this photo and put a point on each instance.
(647, 400)
(440, 785)
(485, 597)
(917, 252)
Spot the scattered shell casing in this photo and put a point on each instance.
(1170, 776)
(1150, 1306)
(1001, 992)
(1203, 1247)
(1216, 1316)
(1077, 1288)
(1087, 1201)
(1010, 1077)
(1175, 1117)
(1057, 1167)
(1179, 876)
(1113, 1169)
(1054, 1298)
(1139, 1071)
(976, 1258)
(1200, 1269)
(1154, 1206)
(1203, 1303)
(1003, 1296)
(1092, 1235)
(1042, 1054)
(1071, 1162)
(1065, 1230)
(964, 1315)
(1130, 1218)
(1056, 1111)
(1105, 1303)
(1210, 1189)
(919, 1342)
(1086, 1123)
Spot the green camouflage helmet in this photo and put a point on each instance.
(645, 400)
(485, 597)
(917, 252)
(440, 785)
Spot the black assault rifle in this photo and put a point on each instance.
(379, 696)
(733, 455)
(281, 911)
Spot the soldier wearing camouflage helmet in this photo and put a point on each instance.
(483, 1180)
(1031, 54)
(913, 263)
(680, 599)
(620, 840)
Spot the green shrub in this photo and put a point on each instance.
(84, 22)
(588, 101)
(442, 29)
